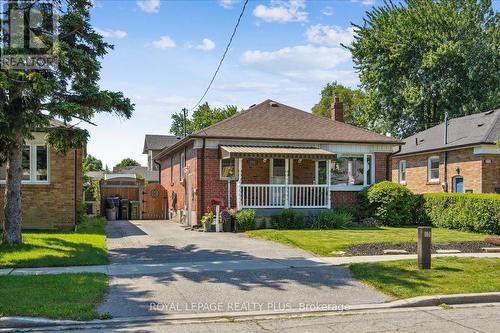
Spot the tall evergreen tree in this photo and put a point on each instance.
(421, 58)
(68, 90)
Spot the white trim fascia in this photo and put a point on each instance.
(487, 150)
(336, 147)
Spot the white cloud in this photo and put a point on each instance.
(327, 11)
(330, 35)
(282, 11)
(302, 62)
(111, 33)
(164, 42)
(149, 6)
(365, 2)
(206, 45)
(227, 3)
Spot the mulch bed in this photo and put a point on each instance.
(372, 249)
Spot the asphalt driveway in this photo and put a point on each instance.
(238, 289)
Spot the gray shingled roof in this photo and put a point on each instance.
(464, 131)
(158, 142)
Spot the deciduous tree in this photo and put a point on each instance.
(202, 117)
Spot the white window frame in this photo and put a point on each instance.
(182, 166)
(402, 164)
(236, 170)
(429, 163)
(33, 176)
(365, 175)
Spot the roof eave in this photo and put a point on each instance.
(435, 150)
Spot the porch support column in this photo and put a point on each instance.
(328, 181)
(287, 190)
(238, 184)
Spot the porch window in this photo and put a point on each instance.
(349, 172)
(433, 169)
(228, 169)
(321, 172)
(402, 171)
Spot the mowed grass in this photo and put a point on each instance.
(324, 242)
(453, 275)
(87, 246)
(62, 296)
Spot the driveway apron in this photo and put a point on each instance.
(277, 287)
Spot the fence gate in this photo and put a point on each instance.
(154, 202)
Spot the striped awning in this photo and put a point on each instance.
(275, 152)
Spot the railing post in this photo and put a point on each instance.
(328, 181)
(238, 184)
(287, 190)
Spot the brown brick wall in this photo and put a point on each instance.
(304, 172)
(380, 167)
(52, 206)
(491, 173)
(478, 176)
(255, 171)
(344, 198)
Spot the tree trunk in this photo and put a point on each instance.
(12, 199)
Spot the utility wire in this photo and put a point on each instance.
(223, 56)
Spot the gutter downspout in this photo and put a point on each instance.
(202, 179)
(388, 168)
(159, 170)
(445, 154)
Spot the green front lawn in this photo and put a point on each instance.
(402, 279)
(324, 242)
(62, 296)
(87, 246)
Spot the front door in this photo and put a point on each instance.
(154, 199)
(458, 184)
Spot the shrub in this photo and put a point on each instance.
(467, 211)
(332, 219)
(245, 219)
(81, 212)
(493, 240)
(391, 203)
(288, 219)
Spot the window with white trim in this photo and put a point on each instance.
(182, 166)
(433, 169)
(35, 165)
(348, 172)
(228, 169)
(402, 171)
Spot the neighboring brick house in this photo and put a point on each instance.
(52, 185)
(469, 161)
(153, 144)
(273, 156)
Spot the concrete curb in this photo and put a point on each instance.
(26, 324)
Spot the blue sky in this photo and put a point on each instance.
(166, 52)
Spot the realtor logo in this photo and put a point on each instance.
(27, 34)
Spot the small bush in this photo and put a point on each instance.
(391, 203)
(493, 240)
(332, 219)
(245, 219)
(467, 211)
(288, 219)
(81, 212)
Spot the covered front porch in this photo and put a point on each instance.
(279, 177)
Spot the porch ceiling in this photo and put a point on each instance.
(275, 152)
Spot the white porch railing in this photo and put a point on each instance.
(283, 196)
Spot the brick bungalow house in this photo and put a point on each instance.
(52, 185)
(274, 156)
(467, 161)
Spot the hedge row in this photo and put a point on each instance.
(394, 204)
(469, 212)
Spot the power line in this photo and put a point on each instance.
(223, 56)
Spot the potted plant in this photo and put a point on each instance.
(207, 220)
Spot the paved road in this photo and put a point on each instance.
(476, 319)
(188, 291)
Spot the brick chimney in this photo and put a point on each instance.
(337, 109)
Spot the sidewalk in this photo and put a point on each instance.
(229, 265)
